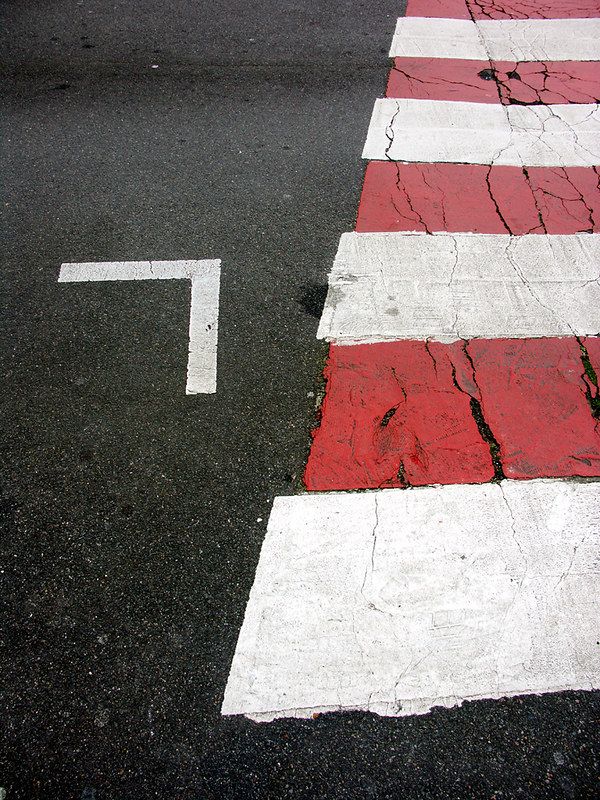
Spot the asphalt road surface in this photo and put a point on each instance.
(133, 514)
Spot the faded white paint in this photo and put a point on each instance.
(484, 133)
(397, 601)
(386, 286)
(541, 39)
(421, 37)
(204, 309)
(502, 40)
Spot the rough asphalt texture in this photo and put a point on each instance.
(130, 511)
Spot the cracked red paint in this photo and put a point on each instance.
(394, 415)
(534, 400)
(520, 82)
(441, 79)
(451, 9)
(401, 413)
(479, 199)
(504, 9)
(532, 9)
(567, 198)
(528, 82)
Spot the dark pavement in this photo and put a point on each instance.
(129, 511)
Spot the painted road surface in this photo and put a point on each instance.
(388, 286)
(400, 601)
(513, 200)
(431, 551)
(515, 82)
(413, 413)
(455, 131)
(463, 321)
(500, 40)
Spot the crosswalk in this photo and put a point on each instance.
(463, 321)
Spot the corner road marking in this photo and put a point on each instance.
(204, 309)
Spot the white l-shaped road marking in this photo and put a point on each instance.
(204, 309)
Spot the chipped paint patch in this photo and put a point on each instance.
(482, 133)
(527, 9)
(398, 601)
(387, 286)
(479, 198)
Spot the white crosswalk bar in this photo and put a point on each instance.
(389, 286)
(396, 601)
(484, 133)
(501, 40)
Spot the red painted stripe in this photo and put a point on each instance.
(452, 9)
(442, 79)
(549, 82)
(392, 415)
(532, 9)
(475, 198)
(408, 413)
(503, 81)
(534, 399)
(504, 9)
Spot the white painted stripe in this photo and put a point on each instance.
(502, 40)
(484, 133)
(420, 37)
(397, 601)
(204, 308)
(386, 286)
(135, 270)
(541, 39)
(204, 320)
